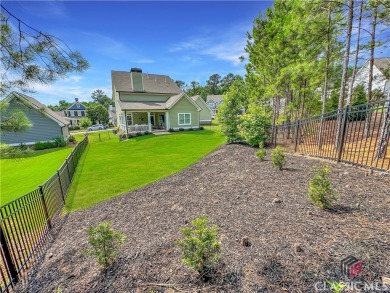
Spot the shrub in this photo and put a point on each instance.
(199, 246)
(191, 129)
(181, 129)
(42, 145)
(139, 134)
(59, 141)
(261, 153)
(201, 128)
(321, 192)
(71, 138)
(253, 129)
(171, 130)
(14, 152)
(105, 243)
(146, 132)
(278, 157)
(130, 135)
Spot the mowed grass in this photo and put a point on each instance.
(20, 176)
(110, 167)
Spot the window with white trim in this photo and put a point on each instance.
(184, 118)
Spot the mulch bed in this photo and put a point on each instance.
(293, 244)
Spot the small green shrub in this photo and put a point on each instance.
(171, 130)
(191, 129)
(105, 243)
(146, 132)
(43, 145)
(199, 246)
(278, 157)
(130, 135)
(59, 141)
(14, 152)
(71, 138)
(181, 129)
(201, 128)
(261, 153)
(336, 286)
(139, 134)
(321, 192)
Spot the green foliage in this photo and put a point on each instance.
(336, 286)
(171, 130)
(261, 153)
(199, 246)
(71, 138)
(97, 113)
(85, 122)
(105, 243)
(253, 129)
(377, 95)
(321, 192)
(59, 141)
(359, 95)
(14, 152)
(278, 157)
(201, 128)
(181, 129)
(32, 56)
(15, 121)
(101, 98)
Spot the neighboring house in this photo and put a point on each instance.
(214, 101)
(205, 113)
(112, 115)
(379, 82)
(75, 113)
(148, 102)
(46, 124)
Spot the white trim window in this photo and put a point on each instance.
(184, 118)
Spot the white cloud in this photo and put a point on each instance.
(142, 61)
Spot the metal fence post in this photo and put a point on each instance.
(45, 206)
(62, 191)
(342, 135)
(67, 168)
(7, 257)
(296, 139)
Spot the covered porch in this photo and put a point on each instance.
(141, 121)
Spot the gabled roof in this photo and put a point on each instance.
(153, 83)
(35, 104)
(197, 97)
(214, 98)
(382, 64)
(77, 106)
(128, 105)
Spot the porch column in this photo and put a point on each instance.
(127, 127)
(149, 123)
(167, 120)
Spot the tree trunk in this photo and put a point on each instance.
(385, 133)
(350, 90)
(325, 91)
(345, 71)
(370, 73)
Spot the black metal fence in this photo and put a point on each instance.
(359, 135)
(26, 222)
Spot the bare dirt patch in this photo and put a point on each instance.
(289, 244)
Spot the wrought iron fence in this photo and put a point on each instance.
(358, 134)
(26, 222)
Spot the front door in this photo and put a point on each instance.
(161, 120)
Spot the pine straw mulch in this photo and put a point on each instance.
(293, 244)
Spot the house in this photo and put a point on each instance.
(111, 115)
(75, 113)
(380, 81)
(46, 124)
(214, 101)
(149, 102)
(205, 113)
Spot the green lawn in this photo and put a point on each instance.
(110, 167)
(20, 176)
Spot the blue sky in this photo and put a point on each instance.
(185, 40)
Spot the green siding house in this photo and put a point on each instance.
(151, 102)
(46, 124)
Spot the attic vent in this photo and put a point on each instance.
(136, 70)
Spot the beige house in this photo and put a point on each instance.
(205, 113)
(151, 102)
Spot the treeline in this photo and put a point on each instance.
(215, 85)
(303, 57)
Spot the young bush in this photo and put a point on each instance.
(181, 129)
(199, 246)
(278, 157)
(191, 129)
(71, 138)
(321, 192)
(138, 133)
(59, 141)
(105, 243)
(201, 128)
(14, 152)
(171, 130)
(261, 153)
(43, 145)
(253, 129)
